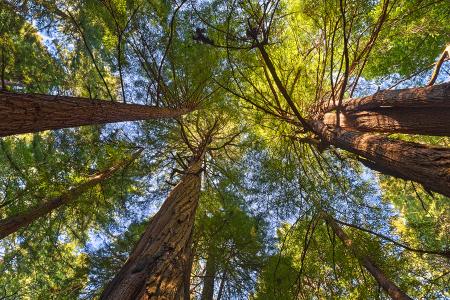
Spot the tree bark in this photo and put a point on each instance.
(429, 166)
(155, 268)
(391, 289)
(14, 223)
(26, 113)
(430, 96)
(423, 110)
(409, 120)
(208, 280)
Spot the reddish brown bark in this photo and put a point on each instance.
(430, 96)
(424, 121)
(436, 96)
(156, 267)
(24, 113)
(429, 166)
(391, 288)
(14, 223)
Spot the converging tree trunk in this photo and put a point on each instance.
(25, 113)
(429, 166)
(156, 268)
(421, 97)
(424, 121)
(14, 223)
(391, 289)
(424, 110)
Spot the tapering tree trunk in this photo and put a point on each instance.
(25, 113)
(156, 267)
(209, 278)
(424, 110)
(421, 97)
(391, 288)
(14, 223)
(429, 166)
(423, 121)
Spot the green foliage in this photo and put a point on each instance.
(23, 57)
(266, 180)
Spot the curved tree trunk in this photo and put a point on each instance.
(156, 267)
(14, 223)
(391, 289)
(25, 113)
(429, 166)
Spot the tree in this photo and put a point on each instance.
(391, 289)
(156, 266)
(230, 244)
(13, 223)
(306, 113)
(25, 113)
(411, 111)
(160, 264)
(295, 113)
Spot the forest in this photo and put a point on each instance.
(224, 149)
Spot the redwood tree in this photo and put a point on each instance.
(13, 223)
(25, 113)
(424, 110)
(155, 269)
(391, 289)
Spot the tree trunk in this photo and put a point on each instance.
(25, 113)
(391, 289)
(430, 96)
(156, 267)
(424, 110)
(14, 223)
(208, 280)
(429, 166)
(409, 120)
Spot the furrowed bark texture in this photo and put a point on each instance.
(424, 110)
(429, 166)
(391, 289)
(430, 96)
(14, 223)
(25, 113)
(424, 121)
(156, 267)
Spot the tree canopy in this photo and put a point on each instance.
(203, 149)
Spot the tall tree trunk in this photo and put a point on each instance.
(424, 110)
(431, 96)
(391, 289)
(208, 281)
(156, 267)
(25, 113)
(409, 120)
(429, 166)
(14, 223)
